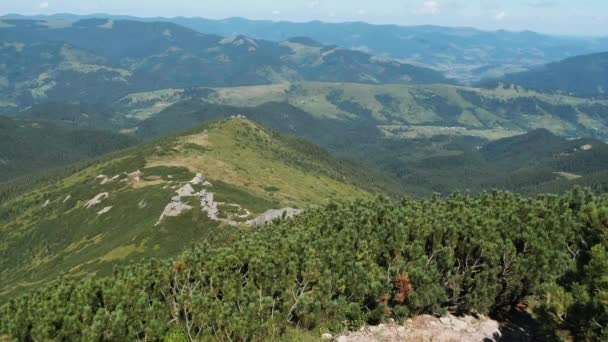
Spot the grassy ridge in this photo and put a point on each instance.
(53, 229)
(399, 111)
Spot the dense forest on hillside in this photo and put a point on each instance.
(349, 264)
(29, 147)
(585, 75)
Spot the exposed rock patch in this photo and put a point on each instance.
(185, 191)
(198, 179)
(273, 214)
(427, 328)
(135, 176)
(96, 200)
(104, 210)
(173, 209)
(142, 204)
(208, 205)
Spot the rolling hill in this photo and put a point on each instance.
(532, 163)
(390, 111)
(432, 138)
(406, 131)
(159, 198)
(102, 60)
(582, 76)
(467, 54)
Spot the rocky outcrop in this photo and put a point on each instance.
(176, 207)
(96, 200)
(135, 177)
(198, 179)
(208, 205)
(273, 214)
(173, 209)
(427, 328)
(104, 210)
(185, 191)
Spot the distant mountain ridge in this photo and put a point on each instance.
(467, 54)
(101, 60)
(582, 76)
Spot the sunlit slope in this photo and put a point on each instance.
(397, 111)
(157, 199)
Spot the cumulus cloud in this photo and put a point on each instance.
(43, 5)
(430, 7)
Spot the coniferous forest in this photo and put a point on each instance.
(306, 175)
(348, 264)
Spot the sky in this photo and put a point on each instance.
(570, 17)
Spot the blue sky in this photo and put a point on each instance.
(579, 17)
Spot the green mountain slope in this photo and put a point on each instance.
(427, 136)
(582, 75)
(536, 162)
(156, 199)
(100, 60)
(34, 147)
(397, 111)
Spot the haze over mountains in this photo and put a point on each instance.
(466, 54)
(582, 76)
(243, 158)
(101, 60)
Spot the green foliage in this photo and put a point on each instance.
(29, 147)
(227, 193)
(348, 264)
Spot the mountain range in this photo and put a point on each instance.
(463, 53)
(585, 75)
(101, 60)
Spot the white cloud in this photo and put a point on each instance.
(361, 12)
(500, 15)
(44, 5)
(430, 7)
(276, 12)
